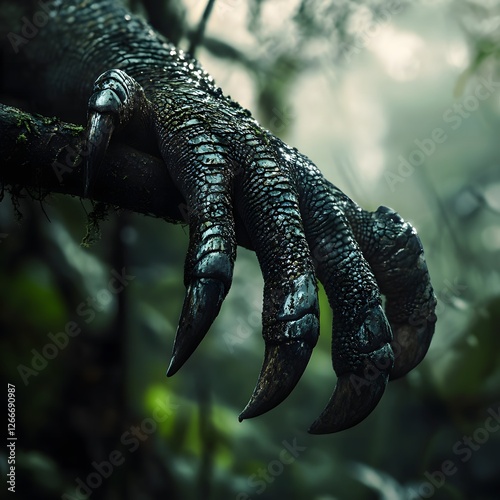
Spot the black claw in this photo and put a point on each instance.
(283, 366)
(413, 337)
(410, 345)
(203, 301)
(100, 129)
(401, 271)
(363, 379)
(353, 399)
(115, 99)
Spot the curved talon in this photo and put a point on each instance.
(364, 376)
(203, 301)
(271, 214)
(353, 399)
(410, 346)
(399, 265)
(116, 97)
(210, 258)
(100, 129)
(282, 368)
(413, 339)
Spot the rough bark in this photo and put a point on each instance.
(47, 154)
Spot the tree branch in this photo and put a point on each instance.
(47, 154)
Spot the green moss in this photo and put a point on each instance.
(93, 231)
(75, 130)
(23, 120)
(22, 139)
(49, 120)
(26, 122)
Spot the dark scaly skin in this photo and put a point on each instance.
(242, 185)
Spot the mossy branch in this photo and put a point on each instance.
(47, 154)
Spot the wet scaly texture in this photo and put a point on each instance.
(241, 185)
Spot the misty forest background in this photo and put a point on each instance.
(361, 87)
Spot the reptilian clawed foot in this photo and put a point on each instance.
(239, 179)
